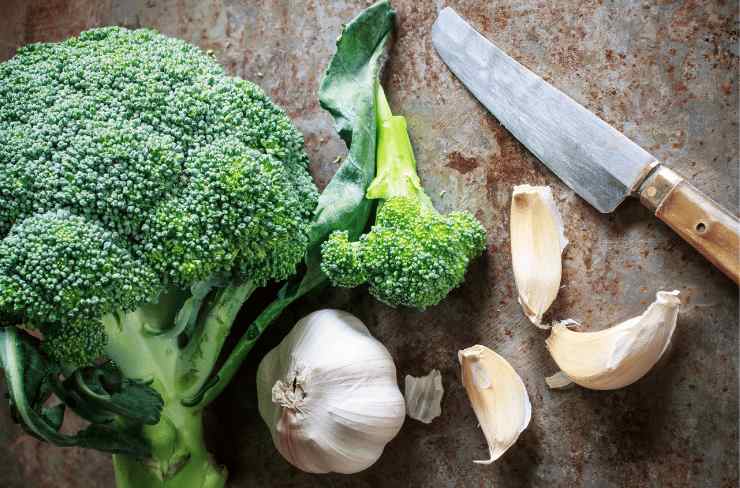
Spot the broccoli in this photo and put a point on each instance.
(413, 255)
(144, 194)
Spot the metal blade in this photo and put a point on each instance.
(590, 156)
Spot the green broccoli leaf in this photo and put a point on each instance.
(105, 438)
(117, 407)
(105, 391)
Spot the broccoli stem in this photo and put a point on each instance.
(395, 163)
(179, 457)
(203, 349)
(240, 352)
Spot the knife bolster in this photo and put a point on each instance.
(656, 188)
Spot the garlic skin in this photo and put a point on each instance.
(328, 394)
(537, 243)
(424, 396)
(618, 356)
(559, 380)
(498, 397)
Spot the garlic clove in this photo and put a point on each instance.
(498, 397)
(424, 396)
(618, 356)
(329, 395)
(537, 243)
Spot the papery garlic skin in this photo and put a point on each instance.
(329, 395)
(537, 243)
(559, 380)
(424, 396)
(498, 397)
(618, 356)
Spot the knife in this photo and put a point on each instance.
(601, 164)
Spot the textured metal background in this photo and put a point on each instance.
(664, 72)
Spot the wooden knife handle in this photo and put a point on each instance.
(706, 225)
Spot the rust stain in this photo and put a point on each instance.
(588, 259)
(480, 17)
(569, 57)
(55, 20)
(501, 17)
(460, 163)
(512, 165)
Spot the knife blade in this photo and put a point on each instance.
(593, 158)
(589, 155)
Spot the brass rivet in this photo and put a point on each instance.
(651, 191)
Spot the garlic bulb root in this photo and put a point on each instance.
(537, 243)
(618, 356)
(498, 397)
(329, 395)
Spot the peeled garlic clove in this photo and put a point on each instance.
(329, 395)
(498, 396)
(617, 356)
(424, 396)
(537, 243)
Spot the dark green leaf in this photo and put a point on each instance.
(347, 92)
(117, 441)
(117, 407)
(106, 392)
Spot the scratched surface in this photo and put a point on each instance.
(663, 72)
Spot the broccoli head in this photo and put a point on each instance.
(132, 165)
(413, 255)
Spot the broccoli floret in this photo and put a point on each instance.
(413, 255)
(62, 273)
(242, 213)
(343, 260)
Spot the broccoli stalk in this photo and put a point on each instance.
(395, 163)
(178, 457)
(413, 255)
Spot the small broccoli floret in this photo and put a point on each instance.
(343, 260)
(74, 343)
(62, 273)
(413, 255)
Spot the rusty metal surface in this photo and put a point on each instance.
(664, 72)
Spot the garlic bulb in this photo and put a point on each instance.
(424, 396)
(498, 396)
(537, 243)
(617, 356)
(329, 395)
